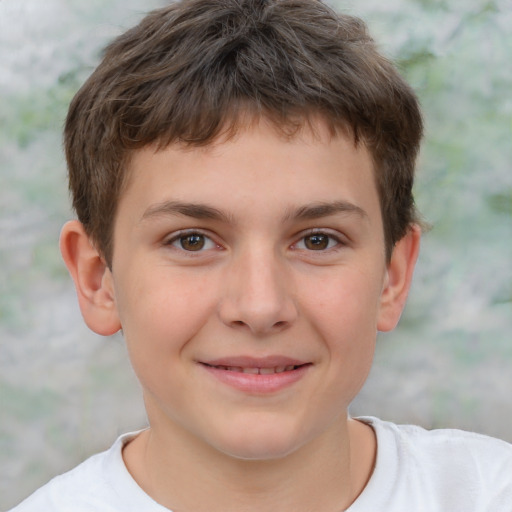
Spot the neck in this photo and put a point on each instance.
(323, 475)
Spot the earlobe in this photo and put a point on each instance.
(92, 278)
(398, 279)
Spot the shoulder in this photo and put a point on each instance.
(68, 489)
(467, 452)
(446, 469)
(450, 447)
(102, 482)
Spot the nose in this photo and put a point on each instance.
(258, 294)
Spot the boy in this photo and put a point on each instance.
(242, 172)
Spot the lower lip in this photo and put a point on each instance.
(258, 383)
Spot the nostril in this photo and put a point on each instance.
(277, 325)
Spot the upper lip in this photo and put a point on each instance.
(273, 361)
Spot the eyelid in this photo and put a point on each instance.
(169, 240)
(341, 239)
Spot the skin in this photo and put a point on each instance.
(291, 264)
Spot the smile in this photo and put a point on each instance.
(257, 376)
(255, 370)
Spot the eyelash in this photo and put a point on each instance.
(338, 241)
(178, 238)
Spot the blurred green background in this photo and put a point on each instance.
(65, 393)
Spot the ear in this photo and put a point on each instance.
(398, 279)
(93, 279)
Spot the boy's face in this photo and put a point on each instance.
(249, 279)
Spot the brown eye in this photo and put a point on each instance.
(194, 242)
(191, 241)
(317, 242)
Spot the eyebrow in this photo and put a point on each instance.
(196, 211)
(319, 210)
(202, 211)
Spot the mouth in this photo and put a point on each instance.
(257, 376)
(255, 370)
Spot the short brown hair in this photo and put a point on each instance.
(187, 71)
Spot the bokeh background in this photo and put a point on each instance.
(66, 393)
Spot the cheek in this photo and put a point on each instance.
(345, 307)
(344, 316)
(160, 313)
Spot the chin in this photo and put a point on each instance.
(258, 443)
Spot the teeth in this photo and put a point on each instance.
(251, 370)
(261, 371)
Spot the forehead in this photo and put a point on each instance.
(261, 165)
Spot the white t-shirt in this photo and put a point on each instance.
(416, 471)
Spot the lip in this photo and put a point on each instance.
(243, 372)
